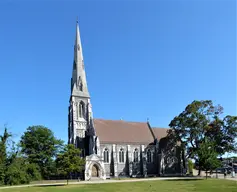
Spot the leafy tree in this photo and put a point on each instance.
(3, 154)
(222, 132)
(200, 120)
(207, 154)
(33, 171)
(69, 161)
(3, 145)
(40, 146)
(19, 171)
(16, 173)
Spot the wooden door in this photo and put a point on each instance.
(94, 171)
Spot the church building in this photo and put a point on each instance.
(116, 148)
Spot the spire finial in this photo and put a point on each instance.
(77, 19)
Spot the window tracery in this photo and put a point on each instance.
(135, 155)
(149, 156)
(106, 155)
(121, 156)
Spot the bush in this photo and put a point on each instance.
(16, 173)
(33, 171)
(21, 172)
(2, 174)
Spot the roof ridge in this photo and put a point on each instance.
(127, 121)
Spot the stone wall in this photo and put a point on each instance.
(115, 168)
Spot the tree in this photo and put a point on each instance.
(15, 173)
(190, 167)
(3, 154)
(33, 171)
(19, 171)
(14, 169)
(40, 146)
(69, 161)
(207, 154)
(222, 132)
(200, 120)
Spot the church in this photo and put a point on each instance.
(116, 148)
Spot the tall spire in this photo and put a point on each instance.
(78, 42)
(79, 83)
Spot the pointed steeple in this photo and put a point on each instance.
(78, 82)
(78, 43)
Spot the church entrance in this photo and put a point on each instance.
(95, 171)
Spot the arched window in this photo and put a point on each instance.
(135, 155)
(149, 156)
(81, 109)
(106, 155)
(77, 110)
(121, 156)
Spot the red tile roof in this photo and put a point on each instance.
(120, 131)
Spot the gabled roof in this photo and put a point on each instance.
(120, 131)
(160, 132)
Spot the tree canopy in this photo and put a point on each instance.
(207, 156)
(20, 171)
(202, 120)
(14, 169)
(69, 160)
(3, 154)
(40, 146)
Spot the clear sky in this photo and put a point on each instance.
(142, 59)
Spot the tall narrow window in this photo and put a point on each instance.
(135, 154)
(81, 86)
(149, 156)
(77, 110)
(81, 109)
(106, 155)
(121, 156)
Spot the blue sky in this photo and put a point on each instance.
(142, 59)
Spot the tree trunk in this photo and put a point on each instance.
(199, 171)
(206, 174)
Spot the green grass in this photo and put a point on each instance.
(210, 185)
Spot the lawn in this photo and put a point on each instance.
(210, 185)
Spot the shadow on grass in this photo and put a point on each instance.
(51, 185)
